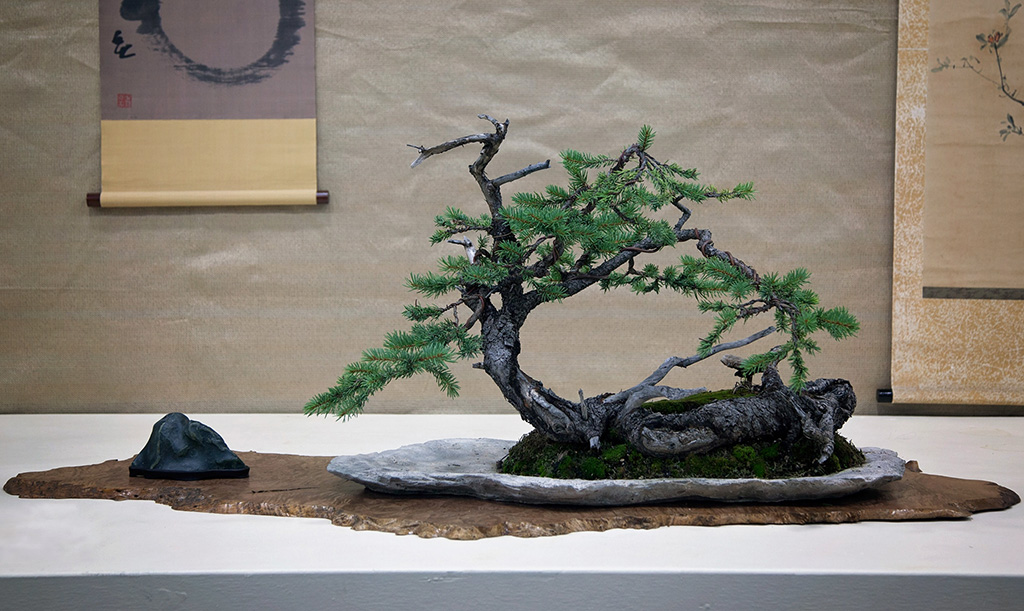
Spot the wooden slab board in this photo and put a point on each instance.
(300, 486)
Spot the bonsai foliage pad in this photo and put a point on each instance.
(301, 486)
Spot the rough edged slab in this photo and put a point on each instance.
(469, 467)
(301, 486)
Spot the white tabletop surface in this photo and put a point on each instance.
(98, 537)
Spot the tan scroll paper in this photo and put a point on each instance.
(958, 263)
(207, 103)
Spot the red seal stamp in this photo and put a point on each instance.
(124, 100)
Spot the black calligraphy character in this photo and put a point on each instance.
(121, 49)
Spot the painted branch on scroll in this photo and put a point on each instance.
(537, 249)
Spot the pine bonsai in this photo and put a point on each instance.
(541, 248)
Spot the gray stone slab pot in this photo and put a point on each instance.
(468, 467)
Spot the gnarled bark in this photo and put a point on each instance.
(776, 412)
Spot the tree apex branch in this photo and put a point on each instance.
(426, 152)
(497, 124)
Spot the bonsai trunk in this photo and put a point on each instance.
(775, 412)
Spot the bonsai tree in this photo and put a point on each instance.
(537, 249)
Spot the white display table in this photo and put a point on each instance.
(98, 554)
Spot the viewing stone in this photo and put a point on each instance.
(184, 449)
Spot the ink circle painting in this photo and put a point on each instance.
(198, 46)
(199, 60)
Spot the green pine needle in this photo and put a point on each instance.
(838, 322)
(645, 138)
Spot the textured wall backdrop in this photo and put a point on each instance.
(258, 309)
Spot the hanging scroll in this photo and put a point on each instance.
(958, 263)
(207, 103)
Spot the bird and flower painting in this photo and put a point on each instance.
(958, 254)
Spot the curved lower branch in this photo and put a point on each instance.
(675, 361)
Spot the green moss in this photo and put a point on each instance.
(694, 401)
(615, 453)
(749, 458)
(535, 454)
(592, 467)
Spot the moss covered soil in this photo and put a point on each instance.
(537, 455)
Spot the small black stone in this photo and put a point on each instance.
(185, 449)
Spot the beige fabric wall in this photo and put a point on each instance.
(258, 309)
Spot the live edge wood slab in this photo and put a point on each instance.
(300, 486)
